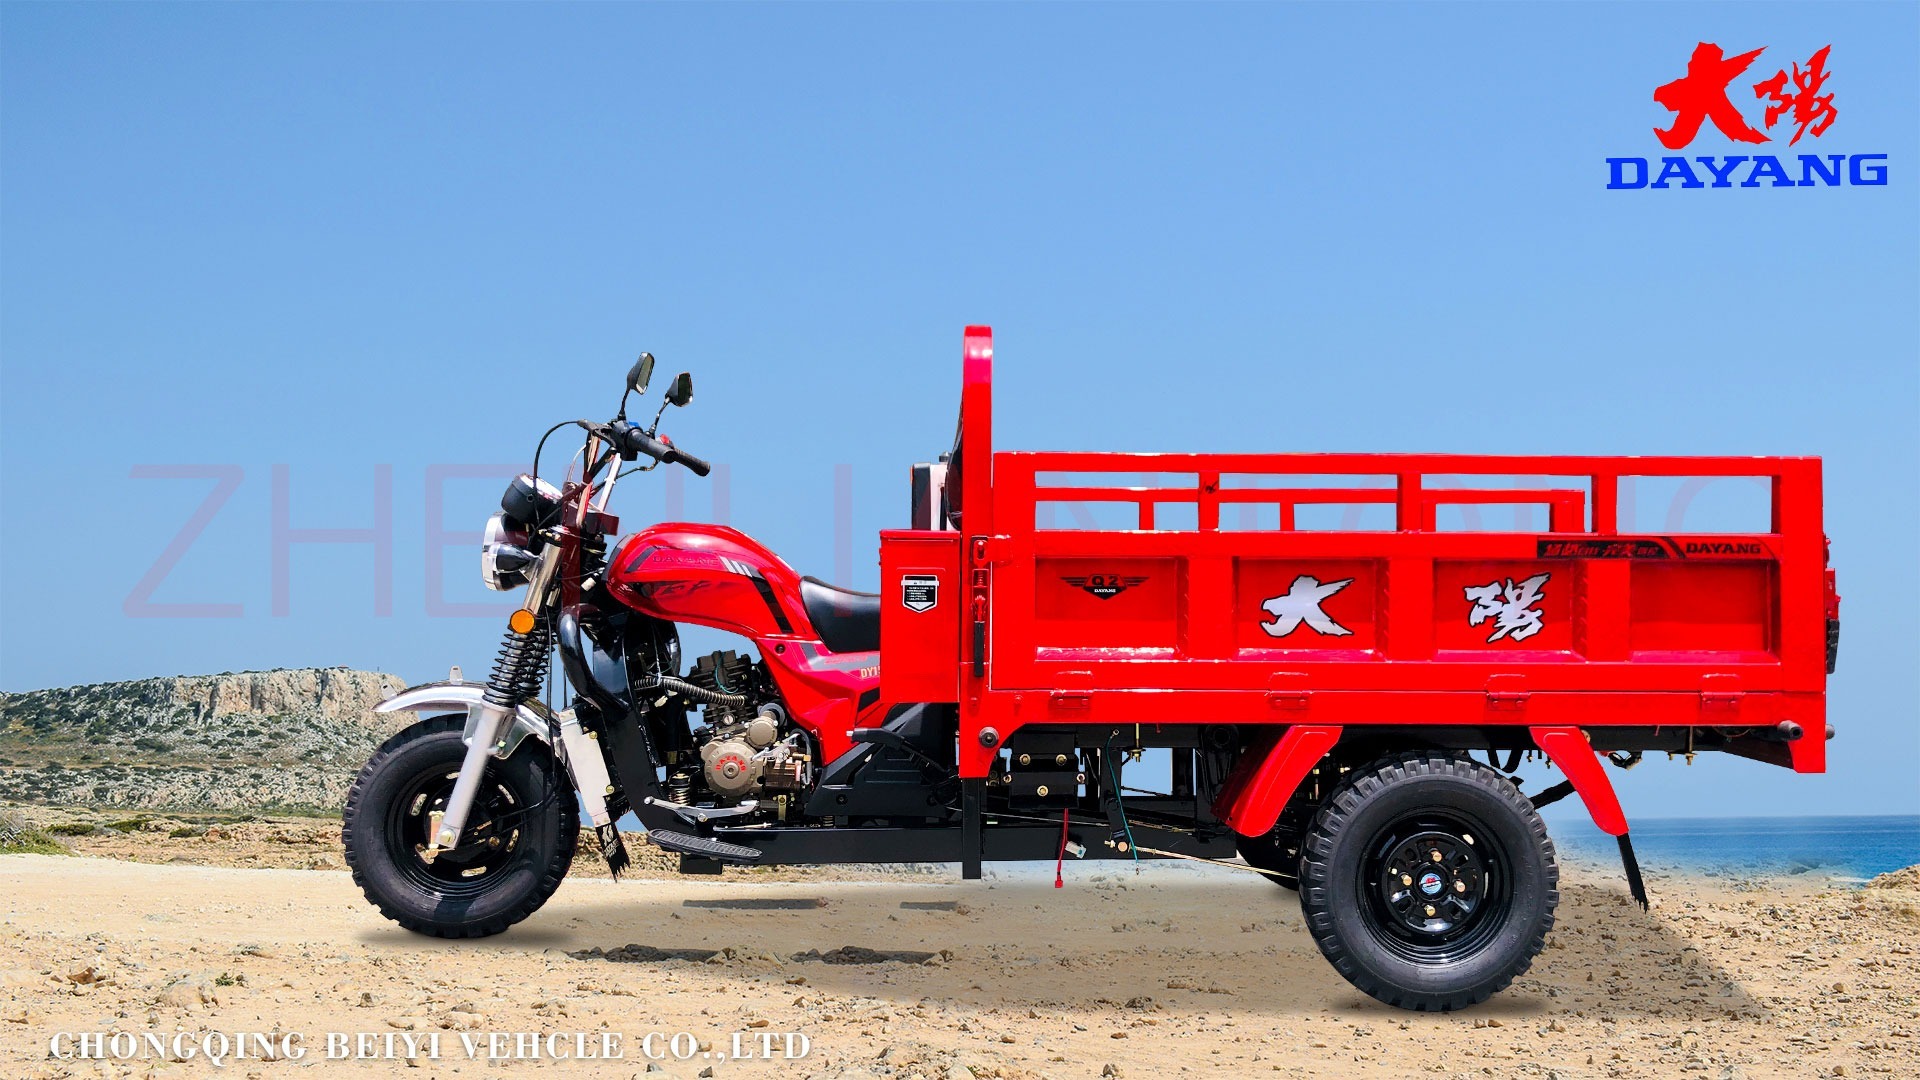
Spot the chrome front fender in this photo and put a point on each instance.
(461, 697)
(586, 765)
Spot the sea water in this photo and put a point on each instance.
(1835, 847)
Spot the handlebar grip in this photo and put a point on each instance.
(631, 439)
(699, 467)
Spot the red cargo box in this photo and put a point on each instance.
(1150, 623)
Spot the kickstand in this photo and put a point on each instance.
(1635, 887)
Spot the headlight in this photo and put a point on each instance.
(504, 557)
(533, 502)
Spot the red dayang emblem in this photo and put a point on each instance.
(1808, 106)
(1701, 95)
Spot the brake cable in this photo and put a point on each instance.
(1111, 770)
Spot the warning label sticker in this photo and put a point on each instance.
(919, 592)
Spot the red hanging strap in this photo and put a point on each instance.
(1060, 862)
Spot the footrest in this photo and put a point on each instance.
(702, 846)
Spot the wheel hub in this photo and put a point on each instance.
(484, 847)
(1433, 882)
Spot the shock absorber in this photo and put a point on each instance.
(518, 672)
(520, 667)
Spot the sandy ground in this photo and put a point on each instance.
(1169, 969)
(306, 843)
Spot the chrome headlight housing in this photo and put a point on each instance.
(504, 558)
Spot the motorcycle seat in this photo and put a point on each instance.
(847, 621)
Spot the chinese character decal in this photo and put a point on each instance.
(1301, 604)
(1702, 95)
(1510, 606)
(1808, 106)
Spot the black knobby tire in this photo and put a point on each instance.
(513, 853)
(1414, 931)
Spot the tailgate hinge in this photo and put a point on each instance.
(1288, 690)
(1507, 692)
(1073, 692)
(1721, 693)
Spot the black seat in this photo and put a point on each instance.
(847, 621)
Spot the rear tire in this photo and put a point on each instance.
(513, 853)
(1414, 931)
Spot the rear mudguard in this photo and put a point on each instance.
(1567, 747)
(586, 765)
(1259, 787)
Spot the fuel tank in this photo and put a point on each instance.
(711, 575)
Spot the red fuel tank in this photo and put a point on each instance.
(711, 575)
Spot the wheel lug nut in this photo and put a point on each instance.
(1429, 909)
(1459, 886)
(1406, 879)
(1434, 854)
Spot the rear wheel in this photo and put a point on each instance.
(517, 845)
(1428, 881)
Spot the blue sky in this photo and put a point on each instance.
(338, 237)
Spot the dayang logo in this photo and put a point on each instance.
(1798, 99)
(1723, 547)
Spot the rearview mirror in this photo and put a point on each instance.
(640, 374)
(681, 391)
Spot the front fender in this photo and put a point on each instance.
(529, 719)
(586, 765)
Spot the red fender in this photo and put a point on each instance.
(1259, 787)
(1567, 747)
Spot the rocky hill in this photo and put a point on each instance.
(251, 741)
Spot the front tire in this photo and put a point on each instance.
(1428, 881)
(517, 846)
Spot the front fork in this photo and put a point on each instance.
(486, 724)
(518, 672)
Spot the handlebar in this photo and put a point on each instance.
(631, 440)
(699, 467)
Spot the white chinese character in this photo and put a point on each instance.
(1510, 607)
(1302, 604)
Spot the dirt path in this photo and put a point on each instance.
(1167, 971)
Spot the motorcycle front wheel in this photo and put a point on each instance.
(517, 845)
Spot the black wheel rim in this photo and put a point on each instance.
(493, 836)
(1435, 887)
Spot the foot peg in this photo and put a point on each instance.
(703, 847)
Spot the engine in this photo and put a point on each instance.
(749, 749)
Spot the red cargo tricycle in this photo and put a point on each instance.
(1345, 709)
